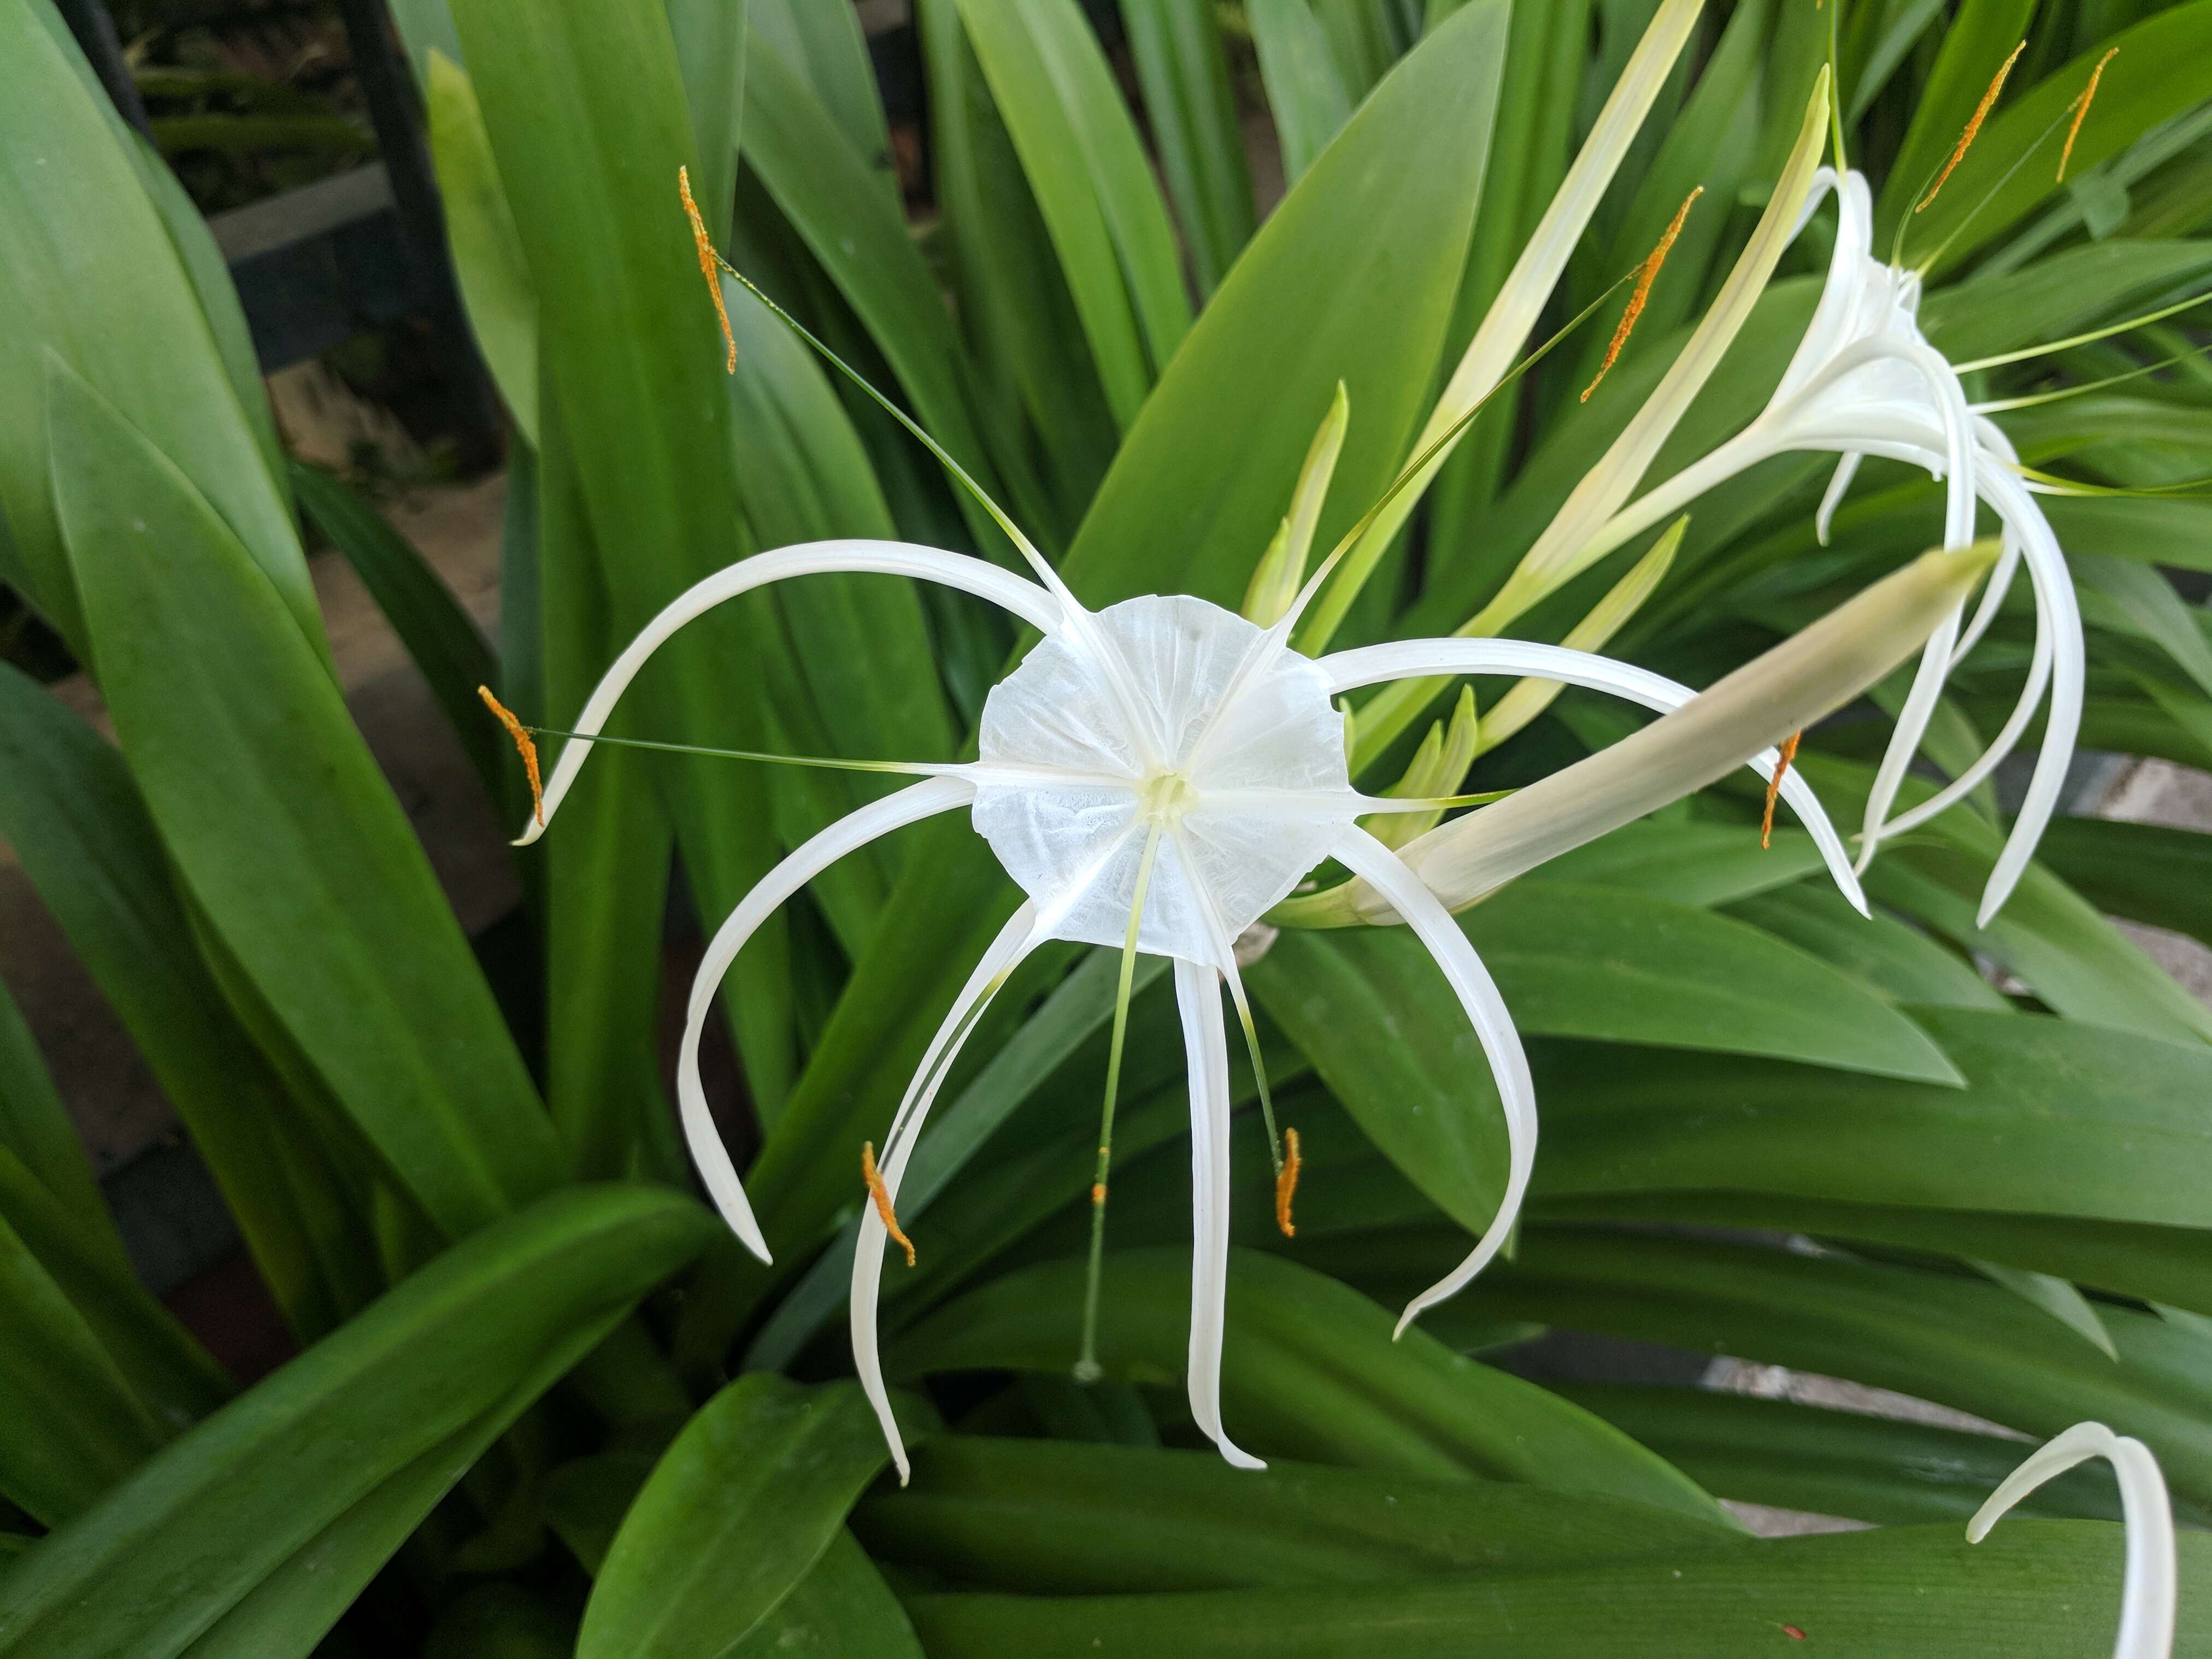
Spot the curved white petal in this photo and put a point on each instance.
(1205, 1045)
(1015, 941)
(2148, 1591)
(1993, 597)
(2054, 588)
(1405, 659)
(1828, 412)
(848, 834)
(1846, 469)
(1911, 725)
(1382, 870)
(1025, 599)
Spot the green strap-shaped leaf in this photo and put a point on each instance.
(1057, 1518)
(2153, 79)
(74, 1426)
(487, 249)
(82, 833)
(2056, 1118)
(731, 1520)
(1309, 1371)
(1192, 112)
(1835, 1462)
(1892, 959)
(2146, 872)
(196, 1530)
(2046, 1589)
(1093, 184)
(1956, 1339)
(709, 38)
(284, 831)
(442, 638)
(35, 1127)
(1351, 279)
(1306, 92)
(586, 112)
(832, 198)
(175, 1376)
(107, 292)
(843, 1606)
(827, 49)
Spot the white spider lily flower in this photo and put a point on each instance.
(1156, 776)
(2148, 1589)
(1865, 381)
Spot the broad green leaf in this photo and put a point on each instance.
(825, 47)
(441, 637)
(1093, 184)
(1588, 962)
(167, 1367)
(604, 887)
(829, 194)
(486, 247)
(709, 39)
(841, 1607)
(2057, 1118)
(191, 1535)
(74, 1426)
(1956, 1339)
(1835, 1462)
(1979, 39)
(2146, 872)
(34, 1124)
(284, 831)
(1895, 960)
(1351, 279)
(2046, 1589)
(84, 837)
(1306, 92)
(1192, 112)
(733, 1517)
(106, 291)
(1309, 1371)
(2056, 1297)
(586, 108)
(1052, 1518)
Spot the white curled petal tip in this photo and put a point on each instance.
(1846, 467)
(1205, 1046)
(1024, 598)
(2149, 1588)
(800, 867)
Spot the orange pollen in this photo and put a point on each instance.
(1286, 1183)
(1098, 1193)
(881, 1194)
(2081, 111)
(523, 746)
(1646, 274)
(1774, 789)
(1973, 126)
(705, 243)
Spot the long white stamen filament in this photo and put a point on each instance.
(1020, 936)
(1406, 659)
(1032, 603)
(2149, 1588)
(1224, 960)
(848, 834)
(1904, 741)
(1206, 1047)
(1382, 869)
(1086, 1363)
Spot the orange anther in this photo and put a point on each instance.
(708, 262)
(1646, 274)
(1774, 789)
(523, 746)
(2082, 110)
(1973, 126)
(881, 1194)
(1286, 1183)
